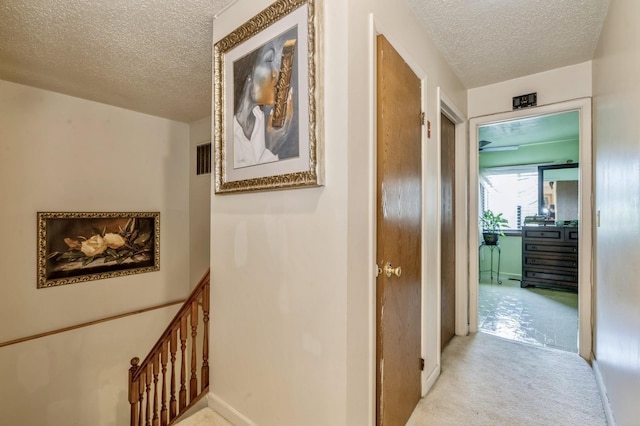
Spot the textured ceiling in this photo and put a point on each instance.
(154, 56)
(488, 41)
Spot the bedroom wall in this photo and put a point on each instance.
(616, 88)
(510, 259)
(60, 153)
(292, 315)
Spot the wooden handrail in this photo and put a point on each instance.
(152, 395)
(89, 323)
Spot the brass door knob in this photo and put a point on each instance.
(390, 270)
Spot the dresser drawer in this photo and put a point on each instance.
(544, 233)
(550, 275)
(550, 257)
(565, 285)
(562, 262)
(549, 248)
(571, 234)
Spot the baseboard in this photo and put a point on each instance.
(227, 411)
(608, 412)
(503, 276)
(513, 277)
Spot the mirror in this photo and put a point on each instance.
(558, 192)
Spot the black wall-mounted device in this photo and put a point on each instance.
(524, 101)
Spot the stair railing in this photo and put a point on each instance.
(159, 391)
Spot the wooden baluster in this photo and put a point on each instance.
(148, 375)
(134, 396)
(183, 366)
(166, 405)
(193, 386)
(156, 372)
(173, 348)
(142, 383)
(163, 359)
(205, 339)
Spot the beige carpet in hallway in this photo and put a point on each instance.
(487, 380)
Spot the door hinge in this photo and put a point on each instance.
(422, 117)
(421, 364)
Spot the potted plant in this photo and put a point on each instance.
(492, 225)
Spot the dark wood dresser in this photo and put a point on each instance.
(550, 257)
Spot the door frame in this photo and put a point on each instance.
(452, 112)
(585, 246)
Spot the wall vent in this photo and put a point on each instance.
(203, 159)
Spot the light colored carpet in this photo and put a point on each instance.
(487, 380)
(204, 417)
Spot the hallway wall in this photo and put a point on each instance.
(558, 85)
(292, 314)
(199, 203)
(616, 87)
(60, 153)
(279, 261)
(79, 377)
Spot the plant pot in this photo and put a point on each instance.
(490, 238)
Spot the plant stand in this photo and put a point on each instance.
(492, 247)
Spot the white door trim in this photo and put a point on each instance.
(585, 247)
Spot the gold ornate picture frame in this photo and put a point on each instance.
(76, 247)
(267, 99)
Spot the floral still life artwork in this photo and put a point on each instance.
(78, 247)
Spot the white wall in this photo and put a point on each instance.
(199, 203)
(59, 153)
(616, 88)
(279, 285)
(293, 313)
(558, 85)
(79, 377)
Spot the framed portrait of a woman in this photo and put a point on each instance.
(266, 120)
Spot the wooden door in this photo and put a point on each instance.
(399, 207)
(447, 232)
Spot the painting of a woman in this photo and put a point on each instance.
(255, 139)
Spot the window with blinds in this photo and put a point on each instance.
(511, 190)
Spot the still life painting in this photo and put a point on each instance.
(76, 247)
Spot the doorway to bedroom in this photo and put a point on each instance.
(528, 278)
